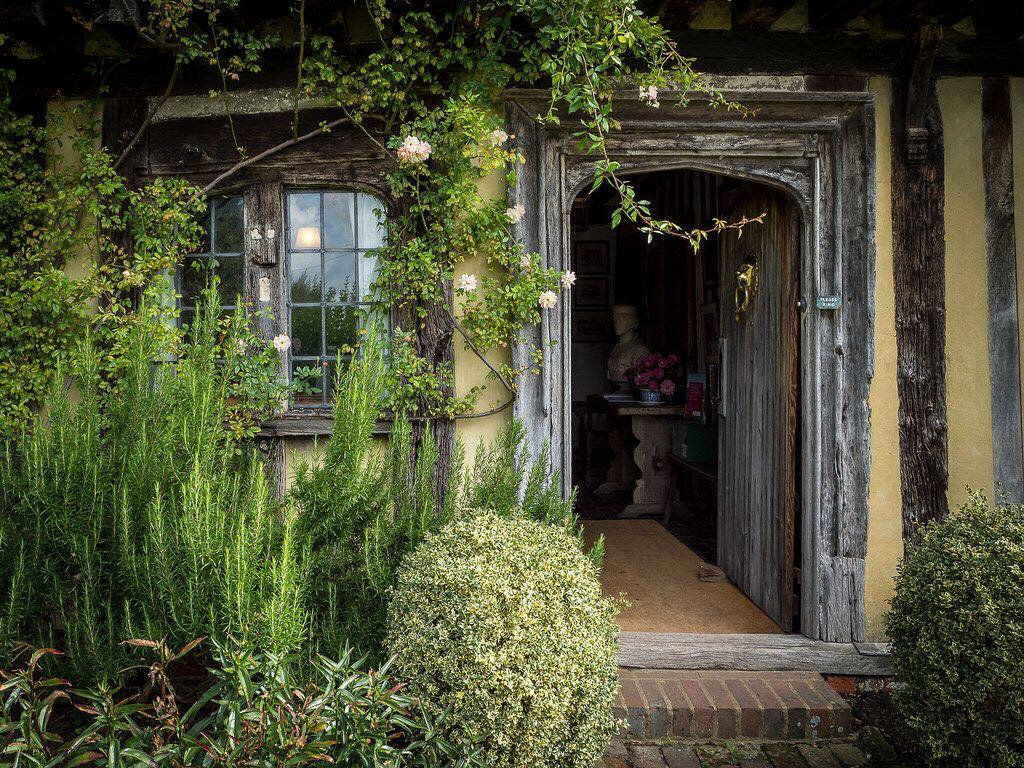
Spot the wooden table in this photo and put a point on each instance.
(651, 425)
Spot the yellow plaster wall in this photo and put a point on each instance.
(885, 520)
(1017, 106)
(968, 393)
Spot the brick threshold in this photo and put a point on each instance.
(726, 704)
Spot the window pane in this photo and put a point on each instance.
(304, 274)
(367, 274)
(315, 383)
(195, 276)
(306, 331)
(341, 328)
(204, 238)
(371, 226)
(229, 270)
(304, 214)
(340, 276)
(228, 225)
(338, 214)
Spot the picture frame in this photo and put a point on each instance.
(591, 257)
(590, 292)
(591, 325)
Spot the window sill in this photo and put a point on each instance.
(308, 422)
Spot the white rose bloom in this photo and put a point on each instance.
(282, 342)
(568, 279)
(413, 150)
(515, 215)
(499, 137)
(547, 300)
(525, 262)
(467, 282)
(271, 234)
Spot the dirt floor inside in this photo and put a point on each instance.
(659, 575)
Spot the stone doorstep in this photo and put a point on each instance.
(725, 704)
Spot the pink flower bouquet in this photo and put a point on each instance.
(654, 373)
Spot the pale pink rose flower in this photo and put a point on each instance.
(568, 279)
(547, 300)
(525, 262)
(282, 342)
(413, 150)
(467, 282)
(515, 214)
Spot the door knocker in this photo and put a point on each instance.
(746, 285)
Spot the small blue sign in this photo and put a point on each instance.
(829, 302)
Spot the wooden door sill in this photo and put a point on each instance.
(751, 652)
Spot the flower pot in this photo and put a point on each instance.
(650, 396)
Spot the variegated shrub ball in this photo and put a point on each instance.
(500, 623)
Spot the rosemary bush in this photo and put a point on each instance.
(360, 510)
(129, 509)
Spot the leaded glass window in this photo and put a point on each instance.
(332, 237)
(220, 254)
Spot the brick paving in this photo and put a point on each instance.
(730, 705)
(742, 754)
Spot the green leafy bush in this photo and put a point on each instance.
(957, 630)
(260, 710)
(500, 621)
(360, 510)
(128, 509)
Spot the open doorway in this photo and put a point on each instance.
(685, 405)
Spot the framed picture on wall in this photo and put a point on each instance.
(590, 257)
(590, 292)
(591, 325)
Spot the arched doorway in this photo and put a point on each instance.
(695, 495)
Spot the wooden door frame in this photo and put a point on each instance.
(819, 147)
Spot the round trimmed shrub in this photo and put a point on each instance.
(500, 623)
(957, 630)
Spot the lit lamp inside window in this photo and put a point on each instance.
(307, 237)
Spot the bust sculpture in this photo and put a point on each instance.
(625, 322)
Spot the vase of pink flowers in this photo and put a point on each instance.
(654, 377)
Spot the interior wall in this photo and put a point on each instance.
(968, 387)
(885, 500)
(590, 358)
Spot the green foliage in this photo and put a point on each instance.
(54, 212)
(500, 621)
(129, 509)
(259, 711)
(957, 630)
(360, 508)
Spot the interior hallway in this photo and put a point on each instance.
(659, 575)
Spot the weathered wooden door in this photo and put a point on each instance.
(758, 413)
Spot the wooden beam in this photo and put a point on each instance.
(1000, 242)
(758, 14)
(918, 206)
(836, 14)
(755, 653)
(677, 14)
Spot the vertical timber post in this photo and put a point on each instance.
(1001, 248)
(919, 251)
